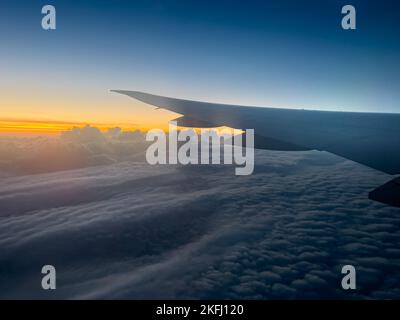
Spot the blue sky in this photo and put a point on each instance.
(269, 53)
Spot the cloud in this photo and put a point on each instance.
(130, 230)
(77, 148)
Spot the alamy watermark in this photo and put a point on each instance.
(349, 20)
(49, 18)
(49, 280)
(189, 147)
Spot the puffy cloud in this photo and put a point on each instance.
(77, 148)
(87, 134)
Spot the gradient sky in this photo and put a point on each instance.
(276, 53)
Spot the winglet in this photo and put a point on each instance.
(389, 193)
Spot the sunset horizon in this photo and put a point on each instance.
(53, 127)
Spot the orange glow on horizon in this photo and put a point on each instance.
(42, 112)
(41, 127)
(49, 127)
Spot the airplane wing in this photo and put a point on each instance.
(372, 139)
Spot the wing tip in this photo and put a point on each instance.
(127, 92)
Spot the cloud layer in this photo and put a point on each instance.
(129, 230)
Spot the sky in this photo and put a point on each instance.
(291, 54)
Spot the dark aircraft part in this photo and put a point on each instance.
(193, 123)
(389, 193)
(261, 142)
(266, 143)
